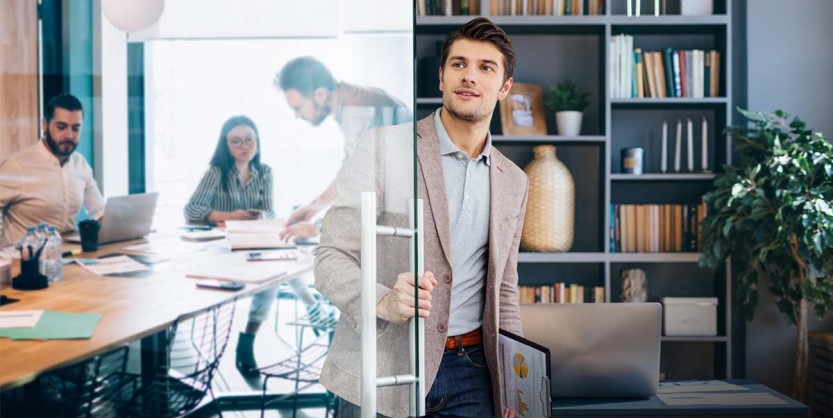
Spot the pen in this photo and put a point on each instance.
(70, 253)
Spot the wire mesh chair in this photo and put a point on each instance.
(194, 348)
(303, 366)
(88, 389)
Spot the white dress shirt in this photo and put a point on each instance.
(35, 188)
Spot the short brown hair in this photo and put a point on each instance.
(483, 30)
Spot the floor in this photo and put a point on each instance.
(271, 346)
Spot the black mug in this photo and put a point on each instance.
(88, 229)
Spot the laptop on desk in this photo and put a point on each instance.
(125, 218)
(598, 350)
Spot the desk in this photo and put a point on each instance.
(132, 308)
(653, 407)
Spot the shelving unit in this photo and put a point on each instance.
(550, 49)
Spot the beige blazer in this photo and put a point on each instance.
(381, 164)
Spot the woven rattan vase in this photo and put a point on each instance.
(550, 210)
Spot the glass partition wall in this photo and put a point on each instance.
(300, 91)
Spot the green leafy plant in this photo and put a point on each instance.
(772, 215)
(565, 96)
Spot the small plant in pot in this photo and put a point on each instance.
(568, 104)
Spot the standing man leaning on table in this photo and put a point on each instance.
(474, 203)
(314, 94)
(48, 182)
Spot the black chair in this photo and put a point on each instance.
(194, 348)
(88, 389)
(303, 366)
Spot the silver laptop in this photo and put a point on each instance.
(598, 350)
(125, 218)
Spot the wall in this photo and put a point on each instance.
(790, 62)
(18, 75)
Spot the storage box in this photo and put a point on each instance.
(690, 316)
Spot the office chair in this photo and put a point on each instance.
(304, 365)
(194, 348)
(89, 389)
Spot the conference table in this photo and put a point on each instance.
(135, 306)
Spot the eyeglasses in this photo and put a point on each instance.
(237, 142)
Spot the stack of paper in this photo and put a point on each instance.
(257, 234)
(47, 325)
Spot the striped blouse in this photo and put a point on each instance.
(210, 196)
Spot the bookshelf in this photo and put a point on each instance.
(553, 48)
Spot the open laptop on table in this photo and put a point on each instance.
(125, 218)
(598, 350)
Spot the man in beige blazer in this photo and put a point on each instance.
(474, 203)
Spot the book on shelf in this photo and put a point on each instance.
(637, 73)
(561, 292)
(660, 8)
(545, 7)
(653, 228)
(448, 7)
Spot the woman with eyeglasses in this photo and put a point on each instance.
(238, 186)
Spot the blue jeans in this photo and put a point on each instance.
(463, 388)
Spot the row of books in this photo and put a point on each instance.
(547, 7)
(656, 228)
(561, 292)
(448, 7)
(668, 73)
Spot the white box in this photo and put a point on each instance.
(696, 7)
(690, 316)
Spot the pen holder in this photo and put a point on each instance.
(30, 277)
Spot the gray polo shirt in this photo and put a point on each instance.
(467, 190)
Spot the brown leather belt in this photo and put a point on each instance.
(468, 339)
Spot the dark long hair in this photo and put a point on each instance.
(223, 159)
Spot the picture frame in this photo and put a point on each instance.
(522, 111)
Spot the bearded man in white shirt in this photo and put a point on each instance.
(48, 182)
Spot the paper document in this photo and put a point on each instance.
(257, 234)
(233, 267)
(526, 376)
(167, 247)
(737, 398)
(111, 265)
(698, 386)
(19, 319)
(56, 325)
(271, 256)
(259, 226)
(257, 241)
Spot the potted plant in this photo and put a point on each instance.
(772, 215)
(568, 105)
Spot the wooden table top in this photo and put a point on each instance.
(131, 307)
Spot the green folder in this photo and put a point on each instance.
(56, 326)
